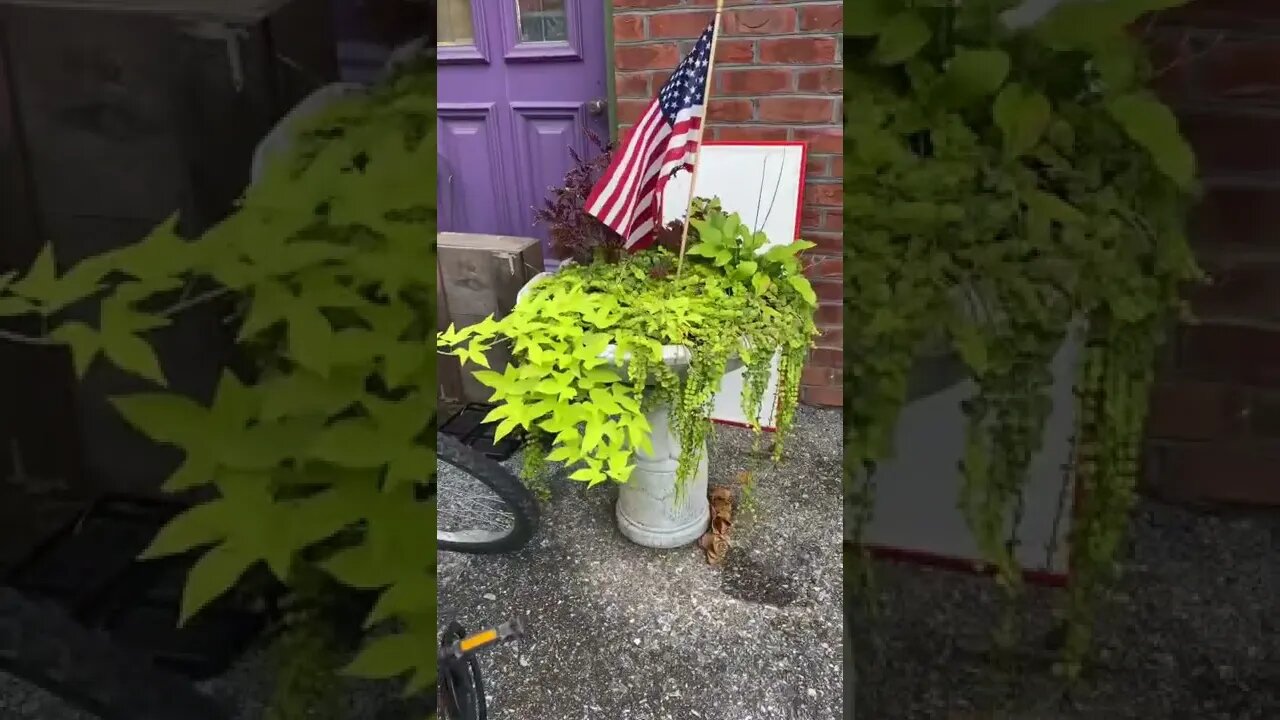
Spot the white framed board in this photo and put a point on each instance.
(764, 183)
(917, 516)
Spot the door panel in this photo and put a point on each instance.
(537, 66)
(471, 147)
(543, 134)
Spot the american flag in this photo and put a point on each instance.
(664, 140)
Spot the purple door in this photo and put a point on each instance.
(520, 82)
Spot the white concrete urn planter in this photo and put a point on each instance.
(650, 512)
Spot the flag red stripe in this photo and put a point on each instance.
(663, 141)
(620, 180)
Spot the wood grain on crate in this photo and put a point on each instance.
(239, 11)
(479, 276)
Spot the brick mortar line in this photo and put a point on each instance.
(697, 9)
(1262, 180)
(1270, 326)
(1234, 253)
(1221, 108)
(1268, 390)
(1227, 442)
(717, 96)
(740, 66)
(1202, 32)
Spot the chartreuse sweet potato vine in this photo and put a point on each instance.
(576, 406)
(316, 458)
(1006, 188)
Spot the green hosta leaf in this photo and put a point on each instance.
(801, 285)
(866, 18)
(1081, 25)
(708, 234)
(788, 251)
(702, 249)
(761, 284)
(901, 38)
(1153, 125)
(213, 575)
(1117, 62)
(729, 230)
(1022, 115)
(974, 74)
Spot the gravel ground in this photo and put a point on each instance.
(1194, 634)
(22, 701)
(620, 632)
(244, 691)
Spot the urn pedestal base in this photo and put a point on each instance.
(649, 512)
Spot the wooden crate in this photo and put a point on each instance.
(478, 276)
(114, 114)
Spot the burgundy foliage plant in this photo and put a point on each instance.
(575, 235)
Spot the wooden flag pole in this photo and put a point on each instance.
(697, 154)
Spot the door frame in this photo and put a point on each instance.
(609, 79)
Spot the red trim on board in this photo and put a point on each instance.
(1044, 578)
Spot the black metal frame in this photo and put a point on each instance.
(468, 427)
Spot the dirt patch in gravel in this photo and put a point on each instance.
(620, 632)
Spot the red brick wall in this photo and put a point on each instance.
(1215, 428)
(777, 76)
